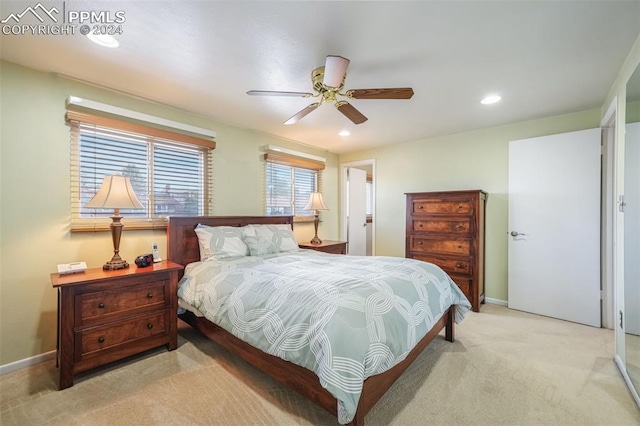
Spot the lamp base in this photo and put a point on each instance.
(113, 265)
(316, 240)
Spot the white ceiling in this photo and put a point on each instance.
(544, 58)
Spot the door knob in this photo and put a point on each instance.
(516, 233)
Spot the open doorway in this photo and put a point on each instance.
(360, 243)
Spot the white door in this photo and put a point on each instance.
(357, 212)
(554, 226)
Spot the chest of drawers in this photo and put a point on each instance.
(447, 229)
(104, 316)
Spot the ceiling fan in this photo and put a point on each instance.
(328, 83)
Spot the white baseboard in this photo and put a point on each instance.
(8, 368)
(496, 301)
(627, 380)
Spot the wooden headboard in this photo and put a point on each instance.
(182, 242)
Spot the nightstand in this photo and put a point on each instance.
(327, 246)
(104, 316)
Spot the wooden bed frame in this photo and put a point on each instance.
(182, 248)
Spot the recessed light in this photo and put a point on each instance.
(490, 99)
(103, 40)
(344, 133)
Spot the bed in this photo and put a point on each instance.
(183, 248)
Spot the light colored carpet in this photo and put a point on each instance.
(505, 368)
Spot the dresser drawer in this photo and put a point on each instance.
(436, 206)
(451, 266)
(440, 246)
(94, 306)
(463, 284)
(455, 225)
(109, 336)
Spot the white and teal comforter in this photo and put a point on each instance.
(344, 317)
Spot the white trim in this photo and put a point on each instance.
(110, 109)
(627, 380)
(294, 153)
(613, 106)
(27, 362)
(608, 125)
(496, 301)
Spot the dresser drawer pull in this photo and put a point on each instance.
(420, 226)
(459, 265)
(101, 305)
(419, 243)
(149, 326)
(100, 339)
(459, 206)
(420, 207)
(459, 226)
(150, 296)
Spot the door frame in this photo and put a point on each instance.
(608, 125)
(343, 198)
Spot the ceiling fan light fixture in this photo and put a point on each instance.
(335, 69)
(328, 84)
(104, 40)
(490, 99)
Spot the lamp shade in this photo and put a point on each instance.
(116, 192)
(316, 202)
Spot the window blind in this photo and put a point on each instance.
(289, 184)
(169, 176)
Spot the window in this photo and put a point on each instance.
(169, 173)
(289, 184)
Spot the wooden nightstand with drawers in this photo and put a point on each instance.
(104, 316)
(327, 246)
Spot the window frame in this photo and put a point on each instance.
(294, 163)
(153, 135)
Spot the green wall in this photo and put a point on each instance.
(35, 197)
(472, 160)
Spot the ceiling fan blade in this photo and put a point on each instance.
(272, 93)
(395, 93)
(351, 112)
(335, 68)
(302, 113)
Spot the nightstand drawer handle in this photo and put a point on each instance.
(101, 305)
(149, 326)
(150, 296)
(101, 339)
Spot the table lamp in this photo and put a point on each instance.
(115, 193)
(316, 203)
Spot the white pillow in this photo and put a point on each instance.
(266, 239)
(218, 242)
